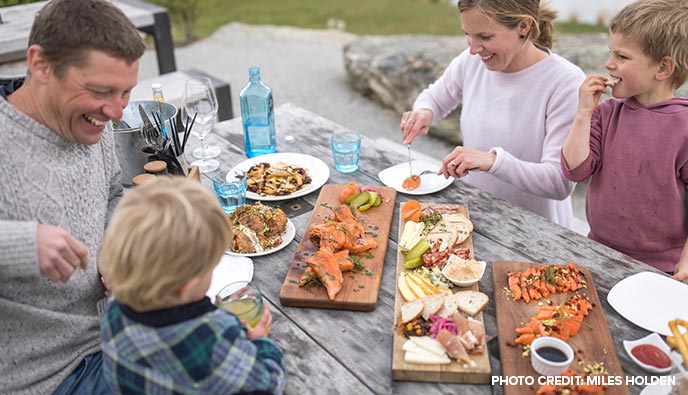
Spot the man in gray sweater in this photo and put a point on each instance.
(59, 182)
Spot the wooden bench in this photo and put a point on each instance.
(173, 90)
(149, 18)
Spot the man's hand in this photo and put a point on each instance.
(59, 254)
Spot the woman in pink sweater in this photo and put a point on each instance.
(518, 104)
(634, 147)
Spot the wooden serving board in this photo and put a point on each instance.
(360, 288)
(590, 346)
(449, 373)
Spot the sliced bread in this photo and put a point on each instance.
(451, 304)
(432, 304)
(462, 226)
(411, 310)
(472, 302)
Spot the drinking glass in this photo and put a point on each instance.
(230, 188)
(243, 299)
(199, 100)
(346, 149)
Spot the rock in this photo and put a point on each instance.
(394, 70)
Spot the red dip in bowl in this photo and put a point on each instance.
(651, 355)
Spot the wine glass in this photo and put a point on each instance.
(211, 151)
(199, 100)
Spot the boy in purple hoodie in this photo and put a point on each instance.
(634, 147)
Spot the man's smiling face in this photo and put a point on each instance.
(80, 104)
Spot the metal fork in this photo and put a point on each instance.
(426, 172)
(410, 165)
(150, 134)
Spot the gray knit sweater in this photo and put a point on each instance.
(46, 328)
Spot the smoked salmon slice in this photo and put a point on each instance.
(336, 236)
(326, 266)
(345, 265)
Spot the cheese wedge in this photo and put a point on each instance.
(411, 235)
(426, 359)
(412, 347)
(428, 343)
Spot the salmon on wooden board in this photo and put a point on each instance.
(325, 265)
(345, 265)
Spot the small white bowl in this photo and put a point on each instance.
(656, 341)
(545, 367)
(463, 283)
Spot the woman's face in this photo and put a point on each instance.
(499, 47)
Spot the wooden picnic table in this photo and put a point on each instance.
(149, 18)
(335, 351)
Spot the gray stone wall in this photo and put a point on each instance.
(393, 70)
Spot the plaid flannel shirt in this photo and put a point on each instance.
(206, 354)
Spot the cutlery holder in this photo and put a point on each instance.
(129, 141)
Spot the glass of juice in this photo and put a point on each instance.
(242, 298)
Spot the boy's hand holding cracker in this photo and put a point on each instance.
(589, 93)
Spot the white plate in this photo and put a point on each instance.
(656, 341)
(317, 170)
(659, 389)
(287, 237)
(394, 176)
(230, 269)
(650, 300)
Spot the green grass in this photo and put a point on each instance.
(363, 17)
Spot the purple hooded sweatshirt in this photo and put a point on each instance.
(638, 169)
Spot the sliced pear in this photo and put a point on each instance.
(414, 285)
(404, 288)
(427, 284)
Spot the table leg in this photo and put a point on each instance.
(161, 31)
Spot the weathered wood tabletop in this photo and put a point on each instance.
(347, 352)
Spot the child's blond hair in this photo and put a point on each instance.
(660, 28)
(162, 235)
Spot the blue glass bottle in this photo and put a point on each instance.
(257, 116)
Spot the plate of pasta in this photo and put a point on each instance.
(283, 176)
